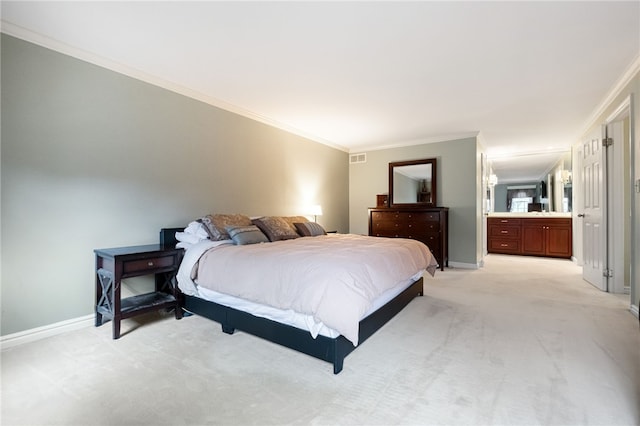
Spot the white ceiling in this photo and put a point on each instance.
(525, 76)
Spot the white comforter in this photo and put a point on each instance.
(334, 278)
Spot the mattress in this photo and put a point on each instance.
(293, 318)
(324, 284)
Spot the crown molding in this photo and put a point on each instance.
(614, 92)
(120, 68)
(421, 141)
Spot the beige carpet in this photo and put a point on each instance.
(521, 341)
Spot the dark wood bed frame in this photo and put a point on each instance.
(332, 350)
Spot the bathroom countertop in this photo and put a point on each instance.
(530, 215)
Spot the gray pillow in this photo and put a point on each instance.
(275, 228)
(310, 229)
(216, 224)
(242, 235)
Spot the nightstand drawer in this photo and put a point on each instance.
(152, 263)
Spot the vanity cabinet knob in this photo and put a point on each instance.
(149, 263)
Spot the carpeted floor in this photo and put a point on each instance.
(521, 341)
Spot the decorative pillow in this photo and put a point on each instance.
(291, 220)
(275, 228)
(242, 235)
(216, 224)
(310, 229)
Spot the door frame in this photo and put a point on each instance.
(619, 198)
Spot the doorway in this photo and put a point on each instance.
(606, 200)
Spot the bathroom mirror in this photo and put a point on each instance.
(537, 181)
(412, 183)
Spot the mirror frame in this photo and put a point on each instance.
(434, 182)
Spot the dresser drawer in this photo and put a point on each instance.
(390, 216)
(420, 217)
(432, 240)
(388, 227)
(423, 227)
(152, 263)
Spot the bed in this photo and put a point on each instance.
(300, 288)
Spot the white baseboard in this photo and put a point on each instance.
(634, 310)
(22, 337)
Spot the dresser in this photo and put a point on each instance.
(426, 224)
(533, 236)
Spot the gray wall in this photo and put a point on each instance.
(94, 159)
(458, 177)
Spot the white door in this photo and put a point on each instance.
(594, 248)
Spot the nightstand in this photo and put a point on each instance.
(115, 264)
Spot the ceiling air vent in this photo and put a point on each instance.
(357, 158)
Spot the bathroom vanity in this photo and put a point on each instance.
(531, 234)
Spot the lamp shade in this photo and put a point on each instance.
(315, 210)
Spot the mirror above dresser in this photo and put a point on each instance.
(413, 183)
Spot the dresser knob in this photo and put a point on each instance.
(149, 263)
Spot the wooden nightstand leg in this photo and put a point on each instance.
(168, 283)
(116, 328)
(117, 315)
(99, 296)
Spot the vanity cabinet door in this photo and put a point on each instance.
(547, 237)
(533, 238)
(559, 239)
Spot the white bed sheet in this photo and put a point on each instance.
(296, 319)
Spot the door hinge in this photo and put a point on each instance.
(606, 142)
(607, 273)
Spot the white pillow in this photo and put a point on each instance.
(197, 229)
(184, 237)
